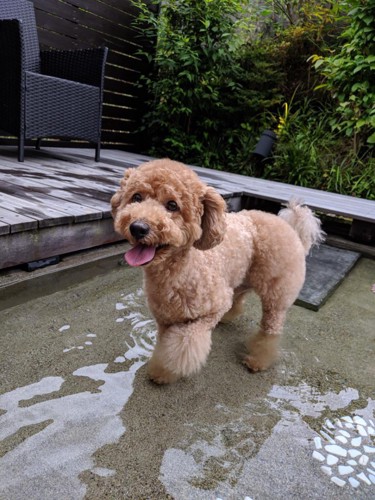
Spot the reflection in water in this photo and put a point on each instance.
(268, 438)
(47, 464)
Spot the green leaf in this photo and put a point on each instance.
(318, 63)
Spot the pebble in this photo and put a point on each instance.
(318, 443)
(318, 456)
(341, 439)
(359, 420)
(332, 460)
(336, 450)
(326, 470)
(352, 462)
(369, 449)
(361, 430)
(327, 437)
(356, 441)
(353, 482)
(364, 478)
(345, 433)
(338, 481)
(354, 453)
(329, 424)
(347, 419)
(363, 460)
(345, 470)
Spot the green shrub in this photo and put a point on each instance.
(349, 75)
(209, 90)
(220, 74)
(309, 154)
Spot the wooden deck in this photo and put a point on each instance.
(57, 201)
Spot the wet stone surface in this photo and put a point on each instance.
(79, 419)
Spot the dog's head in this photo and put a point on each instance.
(163, 206)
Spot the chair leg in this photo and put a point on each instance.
(97, 151)
(21, 148)
(38, 143)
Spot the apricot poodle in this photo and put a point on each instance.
(199, 263)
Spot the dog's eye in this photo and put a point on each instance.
(136, 198)
(171, 206)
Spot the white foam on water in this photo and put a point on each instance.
(103, 472)
(64, 328)
(78, 425)
(47, 464)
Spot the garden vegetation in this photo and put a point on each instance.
(223, 71)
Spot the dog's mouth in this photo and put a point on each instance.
(141, 254)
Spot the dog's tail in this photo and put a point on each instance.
(304, 222)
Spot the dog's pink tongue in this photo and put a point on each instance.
(140, 254)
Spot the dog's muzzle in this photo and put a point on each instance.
(139, 229)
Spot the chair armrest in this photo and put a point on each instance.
(83, 65)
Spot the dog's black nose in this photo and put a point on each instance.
(139, 229)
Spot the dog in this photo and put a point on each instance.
(200, 262)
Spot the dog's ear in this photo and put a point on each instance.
(213, 220)
(117, 197)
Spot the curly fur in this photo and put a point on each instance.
(199, 263)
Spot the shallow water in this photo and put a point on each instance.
(78, 417)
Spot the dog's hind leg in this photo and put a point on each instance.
(237, 307)
(181, 350)
(263, 347)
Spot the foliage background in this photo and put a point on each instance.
(224, 71)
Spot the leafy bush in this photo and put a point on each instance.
(308, 154)
(349, 75)
(209, 90)
(221, 74)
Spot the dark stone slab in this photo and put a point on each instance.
(326, 268)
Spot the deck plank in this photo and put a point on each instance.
(14, 222)
(92, 202)
(54, 209)
(59, 194)
(44, 216)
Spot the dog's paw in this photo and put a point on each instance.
(256, 365)
(161, 376)
(262, 351)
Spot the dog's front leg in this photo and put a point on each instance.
(181, 349)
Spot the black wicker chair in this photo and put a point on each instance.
(49, 93)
